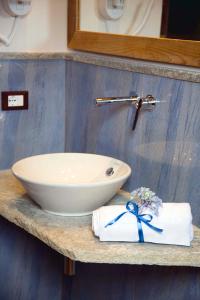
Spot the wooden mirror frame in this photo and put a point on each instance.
(173, 51)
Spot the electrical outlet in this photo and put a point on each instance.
(14, 100)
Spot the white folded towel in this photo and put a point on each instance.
(174, 218)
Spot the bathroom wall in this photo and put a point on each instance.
(163, 151)
(44, 29)
(28, 268)
(41, 128)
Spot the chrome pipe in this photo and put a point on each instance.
(149, 99)
(107, 100)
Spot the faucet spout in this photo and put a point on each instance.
(106, 100)
(148, 101)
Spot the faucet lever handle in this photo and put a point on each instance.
(138, 108)
(148, 103)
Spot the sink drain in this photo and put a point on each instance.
(109, 171)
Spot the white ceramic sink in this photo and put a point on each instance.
(71, 184)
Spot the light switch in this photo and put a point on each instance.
(14, 100)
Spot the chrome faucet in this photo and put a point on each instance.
(106, 100)
(148, 103)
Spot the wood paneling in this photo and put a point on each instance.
(158, 50)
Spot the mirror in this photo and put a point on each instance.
(138, 29)
(154, 18)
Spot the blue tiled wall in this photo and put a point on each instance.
(164, 150)
(40, 129)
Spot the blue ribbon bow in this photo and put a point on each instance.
(133, 208)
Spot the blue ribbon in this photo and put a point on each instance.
(133, 208)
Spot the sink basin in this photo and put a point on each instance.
(71, 184)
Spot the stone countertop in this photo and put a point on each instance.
(73, 236)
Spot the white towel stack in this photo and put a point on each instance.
(174, 218)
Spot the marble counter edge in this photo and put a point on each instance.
(103, 251)
(145, 67)
(86, 257)
(34, 55)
